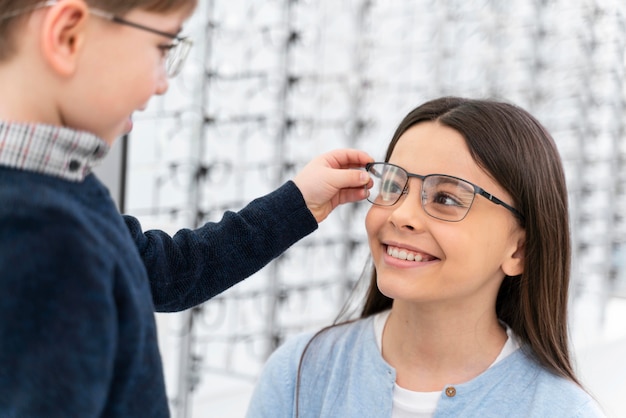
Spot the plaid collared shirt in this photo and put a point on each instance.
(52, 150)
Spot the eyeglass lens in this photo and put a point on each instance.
(442, 197)
(176, 56)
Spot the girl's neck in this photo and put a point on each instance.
(430, 348)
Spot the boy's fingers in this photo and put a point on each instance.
(350, 179)
(348, 158)
(353, 195)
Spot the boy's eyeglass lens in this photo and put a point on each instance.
(443, 197)
(176, 55)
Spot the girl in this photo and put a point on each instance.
(466, 313)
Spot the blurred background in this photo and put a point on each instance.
(271, 84)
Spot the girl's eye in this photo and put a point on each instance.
(446, 199)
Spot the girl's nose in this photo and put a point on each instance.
(408, 213)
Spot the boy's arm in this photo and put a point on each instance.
(194, 266)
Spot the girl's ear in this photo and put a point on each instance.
(63, 34)
(514, 264)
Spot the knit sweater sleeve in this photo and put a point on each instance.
(57, 332)
(195, 265)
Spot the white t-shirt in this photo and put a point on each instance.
(410, 404)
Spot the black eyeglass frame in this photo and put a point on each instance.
(477, 191)
(182, 41)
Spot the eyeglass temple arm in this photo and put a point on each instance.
(497, 201)
(113, 18)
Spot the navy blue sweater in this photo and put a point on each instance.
(81, 283)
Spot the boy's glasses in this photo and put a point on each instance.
(175, 53)
(443, 197)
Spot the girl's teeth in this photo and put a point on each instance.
(404, 255)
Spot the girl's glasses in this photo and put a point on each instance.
(443, 197)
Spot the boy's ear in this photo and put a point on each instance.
(514, 264)
(63, 35)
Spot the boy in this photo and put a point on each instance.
(81, 282)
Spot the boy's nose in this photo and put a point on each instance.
(162, 83)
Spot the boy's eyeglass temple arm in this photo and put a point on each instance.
(113, 18)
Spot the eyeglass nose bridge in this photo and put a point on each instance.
(421, 189)
(423, 197)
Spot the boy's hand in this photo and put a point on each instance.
(325, 183)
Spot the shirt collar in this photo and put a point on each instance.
(53, 150)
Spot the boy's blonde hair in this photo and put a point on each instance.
(10, 27)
